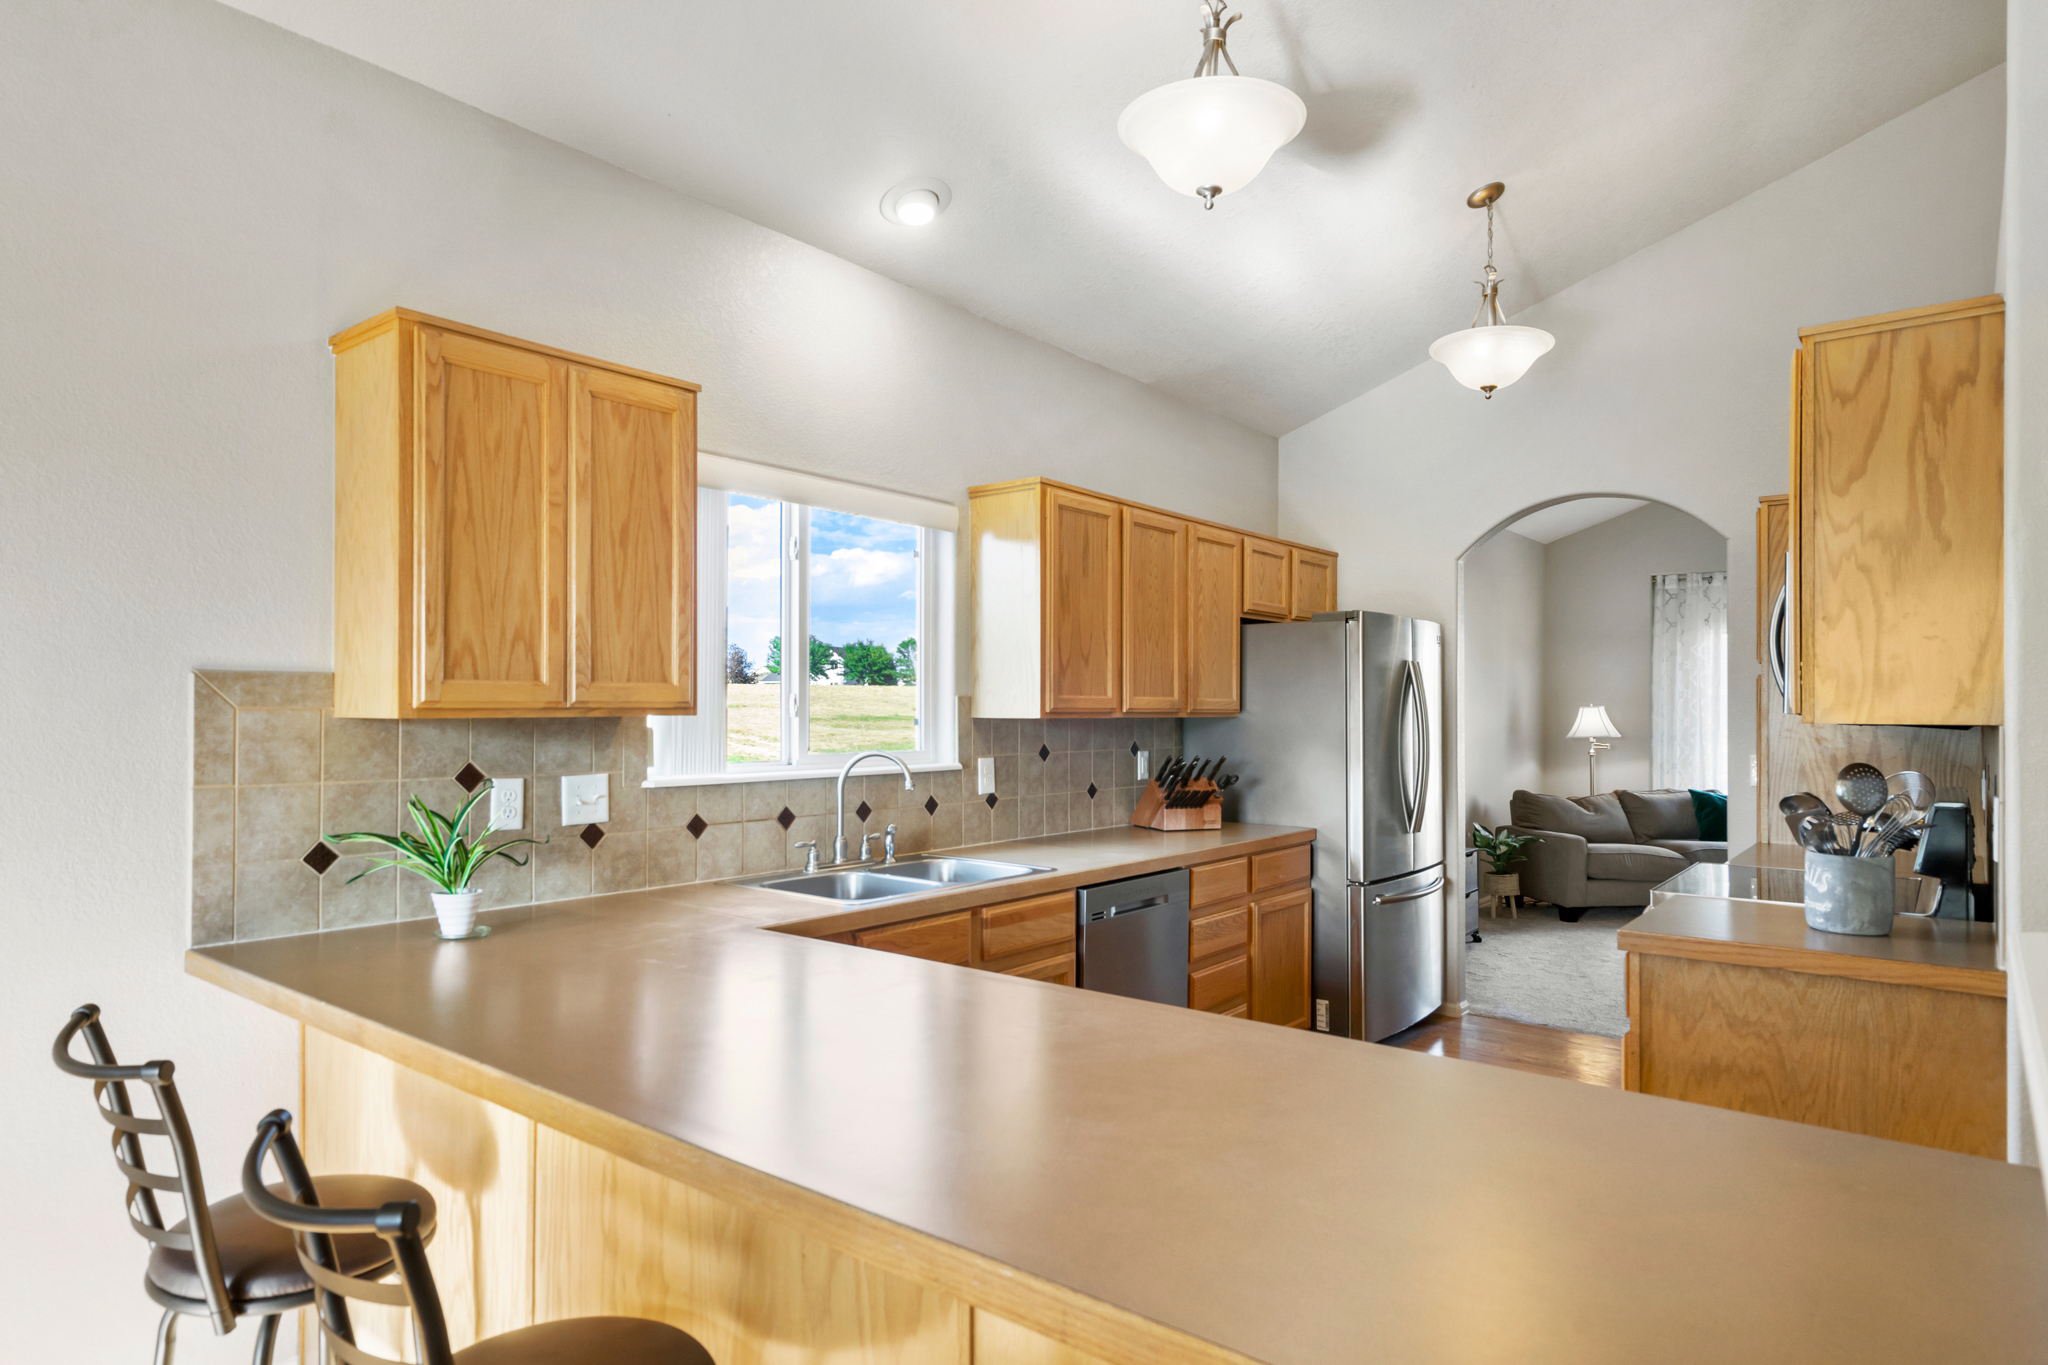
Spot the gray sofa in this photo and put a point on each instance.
(1610, 849)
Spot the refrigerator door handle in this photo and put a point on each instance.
(1429, 890)
(1411, 794)
(1426, 751)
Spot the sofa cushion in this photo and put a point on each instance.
(1596, 819)
(1710, 808)
(1696, 850)
(1632, 862)
(1662, 814)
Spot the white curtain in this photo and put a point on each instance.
(1689, 680)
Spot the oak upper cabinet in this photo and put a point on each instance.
(1897, 517)
(1215, 588)
(1155, 612)
(1312, 578)
(1268, 580)
(515, 527)
(1083, 604)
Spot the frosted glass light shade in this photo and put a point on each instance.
(1592, 722)
(1489, 358)
(1211, 132)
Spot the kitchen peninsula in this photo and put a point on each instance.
(787, 1143)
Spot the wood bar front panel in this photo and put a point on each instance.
(1911, 1063)
(1083, 628)
(1215, 589)
(1155, 613)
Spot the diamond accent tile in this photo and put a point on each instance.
(592, 835)
(991, 800)
(696, 827)
(471, 777)
(1091, 791)
(863, 810)
(931, 803)
(1134, 748)
(785, 817)
(1043, 753)
(320, 857)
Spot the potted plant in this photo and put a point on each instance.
(443, 853)
(1501, 849)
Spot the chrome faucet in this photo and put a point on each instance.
(839, 825)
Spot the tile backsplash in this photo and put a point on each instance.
(274, 769)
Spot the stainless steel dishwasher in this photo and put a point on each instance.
(1133, 937)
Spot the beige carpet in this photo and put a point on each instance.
(1541, 970)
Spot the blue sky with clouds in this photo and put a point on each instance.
(863, 576)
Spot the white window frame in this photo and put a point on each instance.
(690, 750)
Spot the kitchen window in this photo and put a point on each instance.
(825, 628)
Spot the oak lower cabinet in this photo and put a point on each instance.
(1281, 910)
(1897, 518)
(1086, 605)
(1219, 936)
(515, 528)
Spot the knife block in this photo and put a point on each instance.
(1152, 812)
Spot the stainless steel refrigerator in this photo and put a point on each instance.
(1339, 731)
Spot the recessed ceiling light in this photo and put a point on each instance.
(915, 203)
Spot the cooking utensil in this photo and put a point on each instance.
(1796, 807)
(1830, 831)
(1861, 788)
(1916, 787)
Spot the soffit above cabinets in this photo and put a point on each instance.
(1617, 124)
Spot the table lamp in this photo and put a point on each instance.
(1596, 729)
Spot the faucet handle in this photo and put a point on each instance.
(889, 844)
(810, 847)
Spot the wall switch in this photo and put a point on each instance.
(984, 776)
(587, 800)
(508, 803)
(1144, 770)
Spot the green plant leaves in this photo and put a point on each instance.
(439, 851)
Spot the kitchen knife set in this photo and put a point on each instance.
(1880, 814)
(1185, 782)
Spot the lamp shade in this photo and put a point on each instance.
(1212, 132)
(1592, 723)
(1491, 357)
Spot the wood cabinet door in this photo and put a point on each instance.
(1901, 517)
(1083, 626)
(1268, 580)
(1280, 959)
(633, 541)
(489, 528)
(1215, 590)
(1314, 582)
(1155, 602)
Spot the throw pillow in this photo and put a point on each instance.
(1711, 810)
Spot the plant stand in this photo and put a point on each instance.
(1501, 888)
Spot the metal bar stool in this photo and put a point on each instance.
(292, 1204)
(220, 1261)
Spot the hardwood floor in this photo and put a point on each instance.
(1586, 1057)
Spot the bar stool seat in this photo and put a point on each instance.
(258, 1259)
(575, 1341)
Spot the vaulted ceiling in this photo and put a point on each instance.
(1614, 123)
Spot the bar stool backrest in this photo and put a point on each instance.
(110, 1082)
(398, 1223)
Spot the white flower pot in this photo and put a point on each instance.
(456, 911)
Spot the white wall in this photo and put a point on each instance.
(1503, 649)
(1596, 636)
(1669, 380)
(192, 202)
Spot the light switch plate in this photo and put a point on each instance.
(587, 799)
(508, 803)
(984, 776)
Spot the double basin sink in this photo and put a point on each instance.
(866, 884)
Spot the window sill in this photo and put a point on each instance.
(790, 774)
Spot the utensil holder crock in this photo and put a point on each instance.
(1847, 895)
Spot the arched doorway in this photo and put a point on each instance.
(1556, 613)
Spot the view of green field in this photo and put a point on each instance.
(844, 720)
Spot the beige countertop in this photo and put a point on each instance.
(1290, 1196)
(1749, 912)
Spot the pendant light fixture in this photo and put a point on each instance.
(1210, 134)
(1492, 353)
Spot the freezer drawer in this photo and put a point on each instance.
(1393, 957)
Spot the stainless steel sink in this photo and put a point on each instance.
(881, 882)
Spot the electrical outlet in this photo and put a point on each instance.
(1322, 1016)
(984, 776)
(508, 803)
(587, 800)
(1144, 772)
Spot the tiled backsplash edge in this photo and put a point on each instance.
(274, 770)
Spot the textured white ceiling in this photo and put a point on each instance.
(1614, 123)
